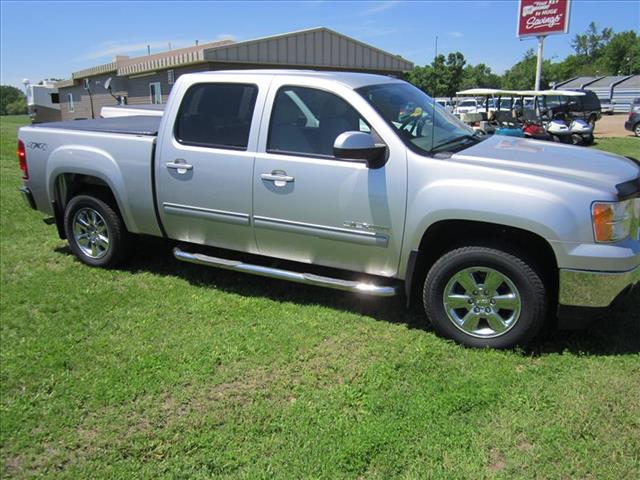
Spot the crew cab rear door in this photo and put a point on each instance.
(312, 207)
(205, 163)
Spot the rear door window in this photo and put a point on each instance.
(216, 115)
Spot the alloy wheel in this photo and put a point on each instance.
(482, 302)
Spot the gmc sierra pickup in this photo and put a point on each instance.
(353, 173)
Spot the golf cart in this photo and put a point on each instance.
(499, 115)
(554, 111)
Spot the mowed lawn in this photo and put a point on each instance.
(170, 370)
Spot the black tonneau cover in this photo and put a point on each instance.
(133, 125)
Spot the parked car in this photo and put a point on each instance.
(445, 103)
(322, 169)
(467, 105)
(635, 104)
(607, 106)
(633, 122)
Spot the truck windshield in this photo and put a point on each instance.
(419, 121)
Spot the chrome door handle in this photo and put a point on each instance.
(179, 166)
(276, 177)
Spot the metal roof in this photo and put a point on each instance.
(607, 81)
(312, 48)
(632, 82)
(577, 82)
(315, 47)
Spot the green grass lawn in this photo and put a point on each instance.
(165, 369)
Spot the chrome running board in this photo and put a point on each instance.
(306, 278)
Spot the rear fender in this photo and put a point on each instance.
(85, 160)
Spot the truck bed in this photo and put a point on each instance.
(132, 125)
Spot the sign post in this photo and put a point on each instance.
(539, 18)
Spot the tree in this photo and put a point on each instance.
(591, 42)
(8, 96)
(479, 76)
(17, 107)
(453, 73)
(431, 79)
(621, 56)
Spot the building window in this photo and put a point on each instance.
(171, 77)
(55, 98)
(155, 93)
(216, 115)
(70, 102)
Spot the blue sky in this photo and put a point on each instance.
(53, 39)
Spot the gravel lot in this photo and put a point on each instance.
(612, 126)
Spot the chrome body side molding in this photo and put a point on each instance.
(206, 213)
(323, 231)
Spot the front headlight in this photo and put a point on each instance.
(612, 220)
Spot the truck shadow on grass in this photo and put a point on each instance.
(617, 333)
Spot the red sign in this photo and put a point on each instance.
(542, 17)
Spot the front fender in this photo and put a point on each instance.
(541, 212)
(85, 160)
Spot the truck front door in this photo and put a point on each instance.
(312, 207)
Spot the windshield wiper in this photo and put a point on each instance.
(454, 140)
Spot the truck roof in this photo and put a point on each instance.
(349, 79)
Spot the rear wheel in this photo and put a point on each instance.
(636, 130)
(485, 297)
(96, 233)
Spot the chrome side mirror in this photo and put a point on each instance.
(357, 146)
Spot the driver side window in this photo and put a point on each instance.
(307, 121)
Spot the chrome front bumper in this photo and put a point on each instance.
(594, 289)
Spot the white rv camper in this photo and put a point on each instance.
(43, 103)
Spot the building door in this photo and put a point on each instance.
(155, 93)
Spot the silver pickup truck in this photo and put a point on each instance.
(361, 176)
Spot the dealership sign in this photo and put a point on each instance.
(542, 17)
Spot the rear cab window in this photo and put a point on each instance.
(216, 115)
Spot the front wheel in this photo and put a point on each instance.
(485, 297)
(636, 130)
(577, 139)
(96, 233)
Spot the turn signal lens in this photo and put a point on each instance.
(611, 220)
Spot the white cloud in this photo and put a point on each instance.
(113, 48)
(380, 7)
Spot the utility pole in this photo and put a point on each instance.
(539, 61)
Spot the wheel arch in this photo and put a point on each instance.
(68, 184)
(446, 235)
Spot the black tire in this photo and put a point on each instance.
(521, 273)
(636, 129)
(577, 139)
(119, 239)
